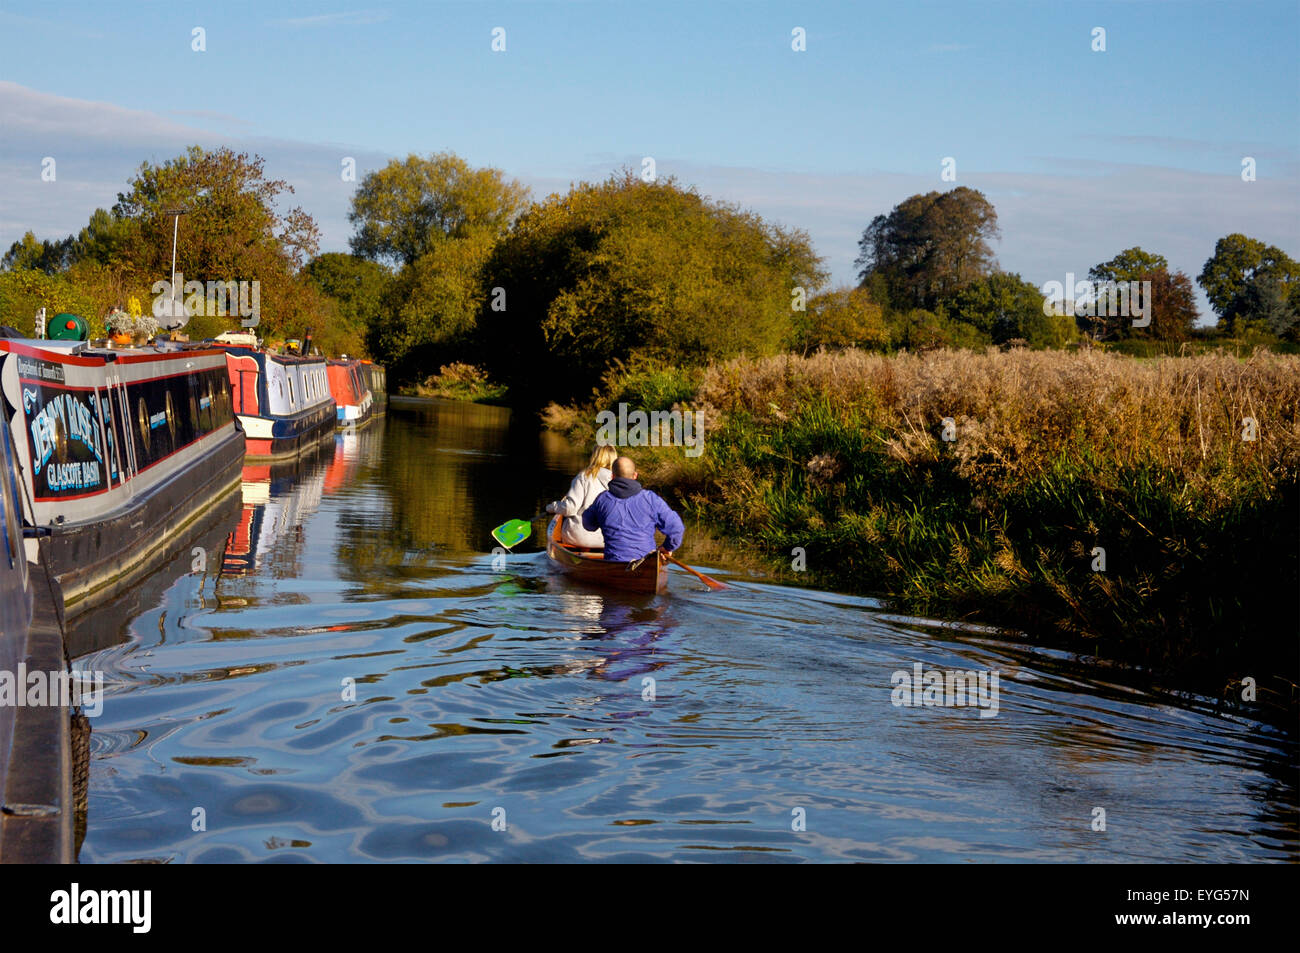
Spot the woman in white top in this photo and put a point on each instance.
(584, 489)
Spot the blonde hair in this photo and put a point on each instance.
(603, 457)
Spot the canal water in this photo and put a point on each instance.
(354, 676)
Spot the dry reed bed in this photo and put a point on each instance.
(1014, 411)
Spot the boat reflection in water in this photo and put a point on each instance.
(278, 498)
(197, 551)
(622, 629)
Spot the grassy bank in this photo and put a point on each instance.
(1002, 514)
(458, 382)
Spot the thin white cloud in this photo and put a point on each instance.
(350, 18)
(210, 115)
(65, 26)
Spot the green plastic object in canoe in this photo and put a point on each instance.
(512, 533)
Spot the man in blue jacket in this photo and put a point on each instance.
(628, 515)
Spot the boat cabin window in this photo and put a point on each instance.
(143, 413)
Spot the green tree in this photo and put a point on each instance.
(1004, 307)
(921, 330)
(1231, 273)
(840, 318)
(106, 239)
(404, 209)
(428, 313)
(930, 246)
(25, 290)
(28, 253)
(1268, 305)
(358, 287)
(629, 268)
(437, 219)
(1129, 265)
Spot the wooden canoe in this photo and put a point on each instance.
(648, 575)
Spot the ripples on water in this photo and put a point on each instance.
(500, 693)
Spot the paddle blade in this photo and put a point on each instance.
(711, 583)
(512, 533)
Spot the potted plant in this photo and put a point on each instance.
(120, 327)
(145, 328)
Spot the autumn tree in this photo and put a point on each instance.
(929, 247)
(1173, 307)
(232, 231)
(627, 268)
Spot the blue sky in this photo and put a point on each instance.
(1083, 153)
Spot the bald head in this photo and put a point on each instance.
(624, 468)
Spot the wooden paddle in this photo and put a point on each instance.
(711, 583)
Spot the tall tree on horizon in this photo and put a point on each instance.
(404, 209)
(930, 247)
(1244, 280)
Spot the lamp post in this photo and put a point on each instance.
(176, 225)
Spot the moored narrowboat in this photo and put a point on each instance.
(115, 449)
(376, 378)
(351, 394)
(281, 401)
(277, 496)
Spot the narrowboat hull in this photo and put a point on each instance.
(279, 438)
(647, 575)
(16, 585)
